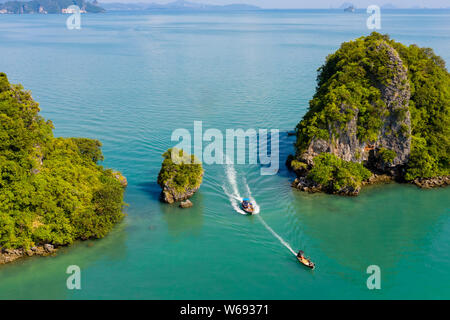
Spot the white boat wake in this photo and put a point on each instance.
(276, 235)
(232, 191)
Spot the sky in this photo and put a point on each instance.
(292, 4)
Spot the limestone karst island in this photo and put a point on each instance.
(180, 177)
(380, 112)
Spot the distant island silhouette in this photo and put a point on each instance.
(179, 5)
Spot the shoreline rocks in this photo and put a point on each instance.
(170, 195)
(186, 204)
(302, 183)
(121, 178)
(435, 182)
(310, 186)
(378, 179)
(10, 255)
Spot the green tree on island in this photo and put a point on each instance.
(52, 191)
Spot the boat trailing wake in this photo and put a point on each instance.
(276, 235)
(232, 191)
(255, 204)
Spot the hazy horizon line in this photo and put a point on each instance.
(150, 2)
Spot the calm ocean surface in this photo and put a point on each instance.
(130, 79)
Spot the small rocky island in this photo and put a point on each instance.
(180, 177)
(381, 112)
(52, 191)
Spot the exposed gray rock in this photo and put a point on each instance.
(396, 132)
(121, 178)
(170, 195)
(10, 255)
(304, 184)
(39, 160)
(378, 178)
(428, 183)
(186, 204)
(49, 248)
(307, 185)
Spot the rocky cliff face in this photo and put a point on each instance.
(395, 133)
(171, 195)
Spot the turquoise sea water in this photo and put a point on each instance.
(130, 79)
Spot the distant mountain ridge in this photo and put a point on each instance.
(389, 6)
(346, 5)
(180, 5)
(48, 6)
